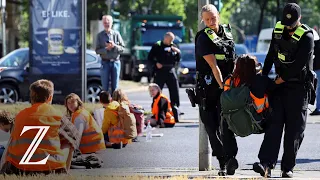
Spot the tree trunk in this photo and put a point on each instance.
(262, 8)
(279, 12)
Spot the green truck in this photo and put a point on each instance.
(139, 33)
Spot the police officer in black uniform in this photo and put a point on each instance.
(291, 51)
(163, 57)
(214, 61)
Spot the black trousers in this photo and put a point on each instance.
(211, 120)
(169, 77)
(229, 141)
(289, 112)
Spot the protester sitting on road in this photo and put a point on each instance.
(91, 135)
(105, 99)
(41, 113)
(111, 124)
(245, 73)
(162, 114)
(6, 124)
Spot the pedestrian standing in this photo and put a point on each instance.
(109, 46)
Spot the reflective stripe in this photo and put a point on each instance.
(279, 28)
(22, 141)
(91, 143)
(281, 57)
(298, 33)
(159, 43)
(212, 35)
(89, 133)
(220, 56)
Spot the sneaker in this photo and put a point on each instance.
(262, 169)
(232, 165)
(288, 174)
(315, 112)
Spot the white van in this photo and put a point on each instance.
(264, 40)
(265, 37)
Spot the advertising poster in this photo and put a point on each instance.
(56, 51)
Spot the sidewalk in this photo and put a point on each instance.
(187, 173)
(130, 86)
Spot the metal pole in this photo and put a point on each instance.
(4, 42)
(204, 149)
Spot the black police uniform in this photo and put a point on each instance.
(167, 74)
(292, 57)
(207, 88)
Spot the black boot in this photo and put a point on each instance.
(232, 165)
(222, 164)
(263, 169)
(287, 174)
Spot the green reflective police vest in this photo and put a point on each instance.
(286, 49)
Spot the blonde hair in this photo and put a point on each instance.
(154, 85)
(120, 96)
(209, 8)
(74, 97)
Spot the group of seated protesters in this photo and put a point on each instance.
(78, 129)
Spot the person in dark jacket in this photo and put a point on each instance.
(163, 57)
(316, 68)
(162, 115)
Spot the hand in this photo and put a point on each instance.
(175, 49)
(110, 45)
(279, 80)
(159, 66)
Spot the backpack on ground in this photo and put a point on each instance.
(238, 111)
(138, 112)
(128, 121)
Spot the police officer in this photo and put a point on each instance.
(291, 51)
(214, 61)
(163, 56)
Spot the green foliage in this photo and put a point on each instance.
(23, 27)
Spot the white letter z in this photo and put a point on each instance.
(34, 145)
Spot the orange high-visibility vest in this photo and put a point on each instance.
(260, 104)
(40, 114)
(169, 115)
(92, 139)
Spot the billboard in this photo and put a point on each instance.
(57, 44)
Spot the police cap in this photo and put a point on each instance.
(291, 14)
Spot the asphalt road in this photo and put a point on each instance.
(178, 148)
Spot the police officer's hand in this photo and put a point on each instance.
(159, 66)
(279, 80)
(175, 49)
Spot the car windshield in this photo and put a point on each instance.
(187, 54)
(14, 59)
(241, 50)
(152, 35)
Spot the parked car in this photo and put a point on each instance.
(14, 68)
(187, 66)
(261, 58)
(241, 49)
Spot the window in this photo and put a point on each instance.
(188, 55)
(90, 58)
(14, 59)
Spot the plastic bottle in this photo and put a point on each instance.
(148, 132)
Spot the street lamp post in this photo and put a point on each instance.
(204, 149)
(3, 21)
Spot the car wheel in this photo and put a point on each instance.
(8, 94)
(93, 92)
